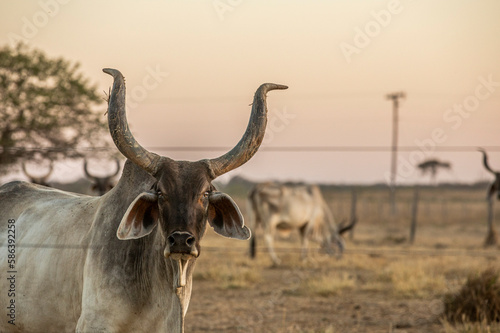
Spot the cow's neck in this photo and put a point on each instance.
(153, 280)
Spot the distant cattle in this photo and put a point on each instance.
(121, 262)
(494, 187)
(101, 184)
(40, 180)
(275, 206)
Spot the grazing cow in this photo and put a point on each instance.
(40, 180)
(495, 185)
(103, 184)
(122, 262)
(275, 206)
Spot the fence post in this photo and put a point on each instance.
(380, 210)
(444, 211)
(491, 237)
(353, 212)
(414, 210)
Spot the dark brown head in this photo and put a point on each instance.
(103, 184)
(183, 198)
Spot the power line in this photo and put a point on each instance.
(331, 148)
(378, 149)
(263, 250)
(274, 149)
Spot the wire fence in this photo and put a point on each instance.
(373, 210)
(291, 250)
(362, 251)
(263, 148)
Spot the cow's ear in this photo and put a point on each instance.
(140, 218)
(225, 217)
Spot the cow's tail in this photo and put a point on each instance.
(253, 219)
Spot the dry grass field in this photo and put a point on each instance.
(381, 284)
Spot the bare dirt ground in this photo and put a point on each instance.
(269, 308)
(371, 289)
(381, 284)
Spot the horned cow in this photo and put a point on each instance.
(40, 180)
(274, 206)
(121, 262)
(494, 187)
(101, 184)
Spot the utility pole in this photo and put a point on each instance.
(394, 165)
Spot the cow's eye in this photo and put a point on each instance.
(160, 195)
(206, 194)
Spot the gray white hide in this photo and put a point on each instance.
(122, 262)
(285, 207)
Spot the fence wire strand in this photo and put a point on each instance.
(292, 250)
(381, 149)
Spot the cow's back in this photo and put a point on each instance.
(298, 204)
(287, 205)
(42, 256)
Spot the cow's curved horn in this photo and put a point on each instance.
(26, 171)
(51, 168)
(251, 140)
(120, 132)
(87, 173)
(117, 168)
(40, 178)
(485, 161)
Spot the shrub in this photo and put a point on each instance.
(477, 301)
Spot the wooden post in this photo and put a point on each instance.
(392, 200)
(491, 237)
(444, 211)
(380, 209)
(394, 149)
(414, 210)
(353, 212)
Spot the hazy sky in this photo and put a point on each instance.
(192, 68)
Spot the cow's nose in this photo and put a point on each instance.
(181, 242)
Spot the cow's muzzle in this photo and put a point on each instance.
(181, 249)
(181, 244)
